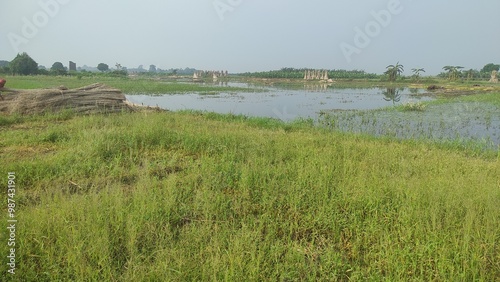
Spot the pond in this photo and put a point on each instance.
(359, 110)
(284, 104)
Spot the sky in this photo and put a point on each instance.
(254, 35)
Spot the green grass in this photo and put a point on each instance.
(413, 106)
(205, 197)
(127, 85)
(491, 98)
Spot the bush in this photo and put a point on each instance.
(414, 106)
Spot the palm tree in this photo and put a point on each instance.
(393, 71)
(453, 72)
(470, 74)
(416, 73)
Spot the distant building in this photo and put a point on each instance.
(72, 66)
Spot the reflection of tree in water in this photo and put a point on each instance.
(392, 94)
(414, 91)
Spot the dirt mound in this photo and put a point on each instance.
(434, 87)
(95, 98)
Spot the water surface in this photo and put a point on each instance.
(285, 104)
(348, 109)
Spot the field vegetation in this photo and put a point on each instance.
(189, 196)
(138, 85)
(195, 196)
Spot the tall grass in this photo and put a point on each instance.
(200, 197)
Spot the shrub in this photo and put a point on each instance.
(414, 106)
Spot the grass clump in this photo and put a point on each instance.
(411, 106)
(194, 197)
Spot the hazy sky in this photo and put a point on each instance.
(254, 35)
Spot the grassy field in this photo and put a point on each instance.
(161, 196)
(127, 85)
(165, 85)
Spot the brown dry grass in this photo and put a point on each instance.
(95, 98)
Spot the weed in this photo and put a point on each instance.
(413, 106)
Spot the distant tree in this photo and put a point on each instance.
(453, 72)
(471, 74)
(5, 70)
(393, 71)
(58, 68)
(489, 68)
(23, 64)
(4, 67)
(43, 71)
(118, 67)
(416, 73)
(103, 67)
(152, 68)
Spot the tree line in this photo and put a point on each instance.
(299, 73)
(23, 64)
(452, 73)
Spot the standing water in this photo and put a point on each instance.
(348, 109)
(284, 104)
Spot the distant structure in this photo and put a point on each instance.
(494, 77)
(200, 75)
(321, 75)
(72, 66)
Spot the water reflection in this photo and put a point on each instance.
(323, 87)
(223, 83)
(414, 90)
(392, 94)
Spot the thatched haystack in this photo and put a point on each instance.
(95, 98)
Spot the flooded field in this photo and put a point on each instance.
(463, 122)
(360, 110)
(284, 104)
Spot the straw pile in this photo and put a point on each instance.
(95, 98)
